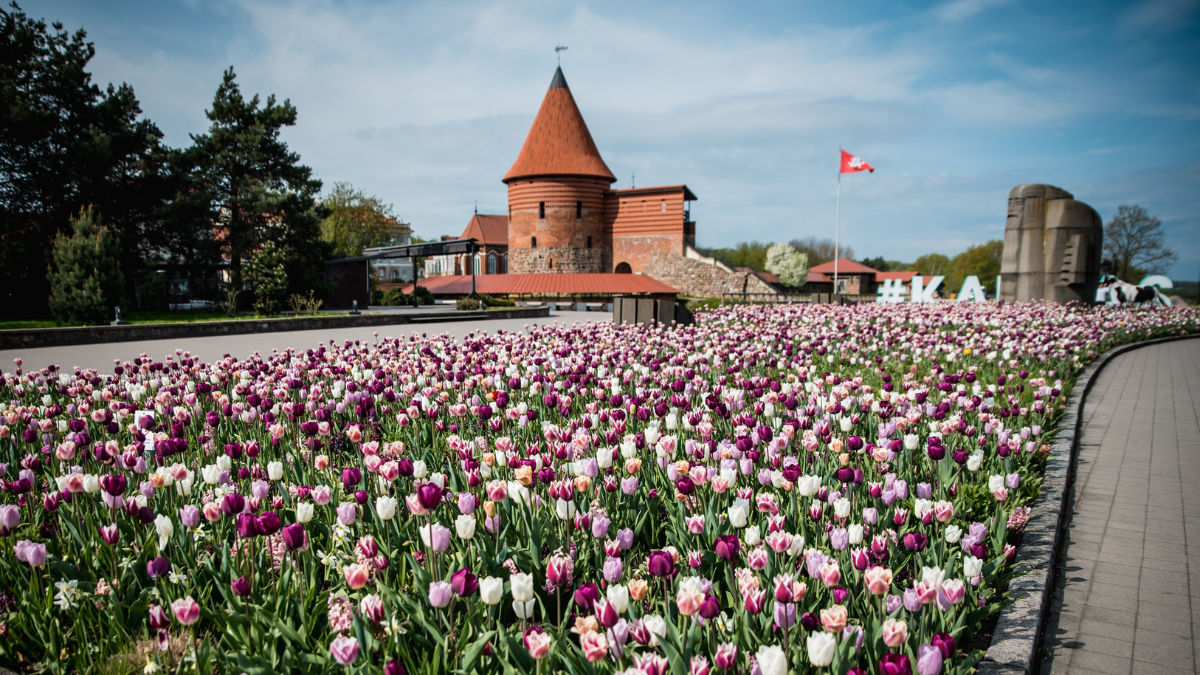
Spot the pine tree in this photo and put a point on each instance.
(85, 277)
(267, 279)
(256, 188)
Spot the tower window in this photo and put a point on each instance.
(589, 242)
(533, 242)
(552, 263)
(579, 210)
(541, 209)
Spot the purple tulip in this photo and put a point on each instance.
(600, 526)
(629, 485)
(295, 537)
(945, 643)
(160, 618)
(158, 567)
(785, 614)
(726, 547)
(247, 525)
(10, 516)
(189, 516)
(268, 524)
(440, 594)
(661, 564)
(430, 495)
(464, 583)
(625, 537)
(894, 664)
(351, 477)
(929, 660)
(839, 538)
(347, 513)
(613, 567)
(586, 596)
(233, 504)
(241, 587)
(467, 503)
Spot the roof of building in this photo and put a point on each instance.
(487, 229)
(844, 266)
(559, 142)
(688, 195)
(547, 284)
(902, 276)
(768, 277)
(818, 278)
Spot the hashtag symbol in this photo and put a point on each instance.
(891, 292)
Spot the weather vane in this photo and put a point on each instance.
(558, 49)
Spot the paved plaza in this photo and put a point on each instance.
(100, 356)
(1128, 597)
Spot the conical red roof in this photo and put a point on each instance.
(559, 142)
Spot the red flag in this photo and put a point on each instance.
(852, 164)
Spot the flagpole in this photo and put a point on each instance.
(837, 228)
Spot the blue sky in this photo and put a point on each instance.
(426, 104)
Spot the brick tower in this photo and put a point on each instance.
(556, 193)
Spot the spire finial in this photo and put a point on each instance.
(558, 49)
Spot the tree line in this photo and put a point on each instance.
(97, 211)
(1134, 246)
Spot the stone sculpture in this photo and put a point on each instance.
(1052, 246)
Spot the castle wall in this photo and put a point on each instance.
(696, 278)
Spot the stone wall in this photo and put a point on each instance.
(697, 278)
(559, 260)
(640, 251)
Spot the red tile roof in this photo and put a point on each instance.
(547, 284)
(768, 277)
(844, 266)
(487, 229)
(902, 276)
(559, 142)
(688, 195)
(818, 278)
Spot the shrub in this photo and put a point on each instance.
(469, 304)
(85, 275)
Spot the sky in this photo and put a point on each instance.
(426, 104)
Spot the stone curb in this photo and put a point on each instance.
(1018, 633)
(32, 338)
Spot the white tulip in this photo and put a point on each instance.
(211, 474)
(841, 507)
(911, 441)
(386, 507)
(304, 512)
(807, 486)
(995, 482)
(738, 515)
(821, 647)
(165, 528)
(975, 461)
(491, 590)
(438, 479)
(953, 534)
(797, 545)
(772, 661)
(564, 510)
(856, 533)
(657, 628)
(972, 566)
(753, 536)
(419, 469)
(91, 483)
(275, 470)
(224, 463)
(465, 526)
(522, 587)
(524, 610)
(933, 575)
(618, 597)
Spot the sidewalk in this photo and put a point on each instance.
(1128, 596)
(100, 356)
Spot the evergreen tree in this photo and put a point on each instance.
(66, 144)
(357, 221)
(268, 279)
(85, 279)
(256, 190)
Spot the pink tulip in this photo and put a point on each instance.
(357, 575)
(186, 610)
(955, 591)
(594, 645)
(344, 649)
(895, 633)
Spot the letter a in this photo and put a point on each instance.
(971, 290)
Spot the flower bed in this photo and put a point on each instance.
(803, 487)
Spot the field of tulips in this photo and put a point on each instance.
(834, 489)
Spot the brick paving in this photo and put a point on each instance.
(1128, 595)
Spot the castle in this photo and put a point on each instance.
(564, 217)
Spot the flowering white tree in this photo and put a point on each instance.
(790, 265)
